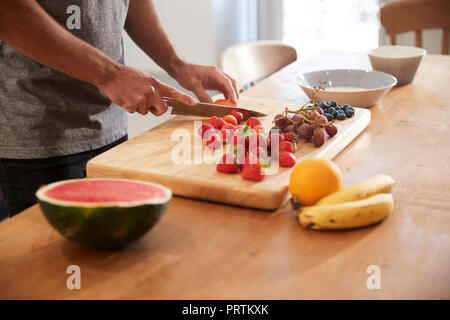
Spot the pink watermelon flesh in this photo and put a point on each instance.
(100, 191)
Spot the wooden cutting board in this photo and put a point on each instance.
(149, 157)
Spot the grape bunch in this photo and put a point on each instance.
(308, 123)
(334, 111)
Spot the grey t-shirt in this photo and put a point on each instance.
(45, 113)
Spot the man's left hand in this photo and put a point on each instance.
(198, 79)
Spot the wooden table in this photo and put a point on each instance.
(211, 251)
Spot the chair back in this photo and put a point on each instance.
(253, 61)
(416, 15)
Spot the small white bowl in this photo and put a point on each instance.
(358, 88)
(400, 61)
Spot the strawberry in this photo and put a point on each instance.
(251, 170)
(216, 122)
(252, 122)
(205, 127)
(287, 146)
(238, 115)
(286, 159)
(228, 164)
(214, 141)
(290, 136)
(230, 119)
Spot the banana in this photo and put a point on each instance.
(352, 214)
(361, 190)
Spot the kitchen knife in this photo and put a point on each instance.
(206, 109)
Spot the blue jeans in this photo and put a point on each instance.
(20, 178)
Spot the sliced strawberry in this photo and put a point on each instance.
(230, 119)
(238, 115)
(216, 122)
(286, 159)
(225, 102)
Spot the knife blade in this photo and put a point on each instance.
(206, 109)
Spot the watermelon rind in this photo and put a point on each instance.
(104, 225)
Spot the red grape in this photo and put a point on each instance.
(331, 130)
(305, 131)
(288, 128)
(311, 115)
(319, 137)
(298, 120)
(281, 121)
(321, 119)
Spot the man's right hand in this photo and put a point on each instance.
(28, 28)
(136, 91)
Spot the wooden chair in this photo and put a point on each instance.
(415, 15)
(251, 62)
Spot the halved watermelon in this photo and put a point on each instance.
(103, 213)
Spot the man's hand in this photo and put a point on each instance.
(198, 79)
(134, 91)
(145, 28)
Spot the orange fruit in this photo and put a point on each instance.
(313, 179)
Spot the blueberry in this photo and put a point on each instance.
(338, 108)
(331, 109)
(316, 104)
(333, 103)
(349, 113)
(329, 116)
(341, 116)
(324, 104)
(346, 106)
(334, 113)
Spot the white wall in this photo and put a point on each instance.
(199, 30)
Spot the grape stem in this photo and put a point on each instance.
(306, 107)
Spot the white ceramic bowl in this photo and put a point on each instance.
(358, 88)
(400, 61)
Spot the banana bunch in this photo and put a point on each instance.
(362, 204)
